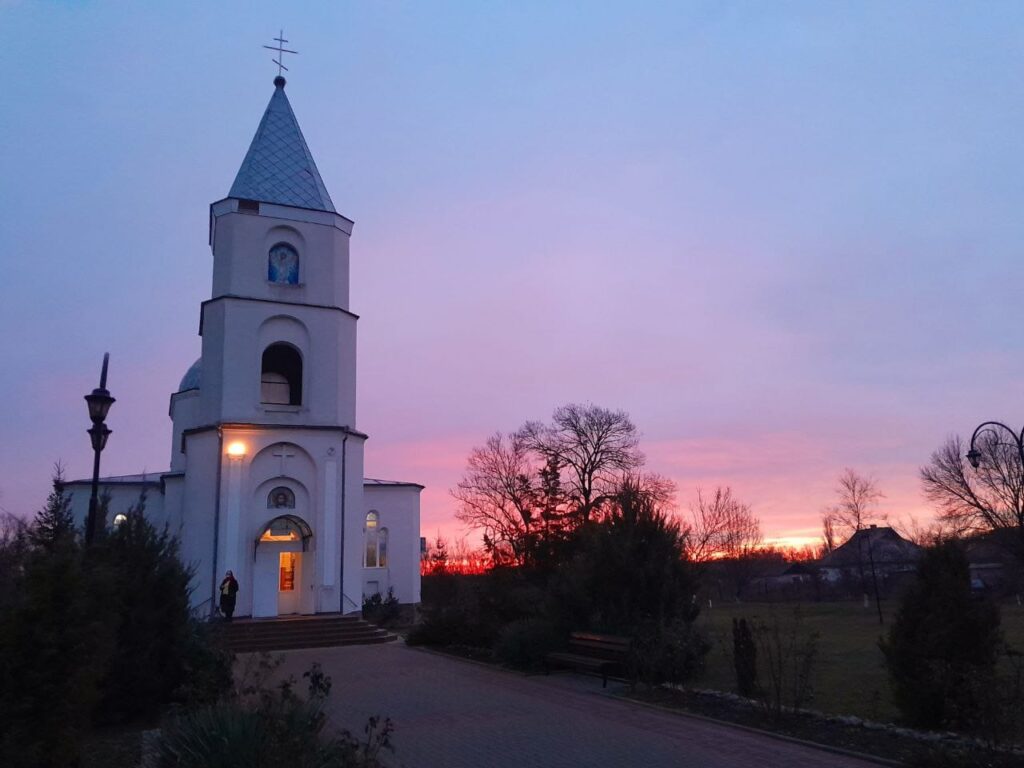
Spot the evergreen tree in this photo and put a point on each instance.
(943, 646)
(148, 587)
(744, 657)
(54, 644)
(53, 526)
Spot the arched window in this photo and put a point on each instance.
(281, 375)
(281, 498)
(283, 265)
(376, 542)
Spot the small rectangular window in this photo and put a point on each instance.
(248, 206)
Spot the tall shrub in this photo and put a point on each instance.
(55, 641)
(625, 573)
(787, 651)
(744, 654)
(148, 587)
(943, 643)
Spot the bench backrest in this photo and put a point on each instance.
(599, 646)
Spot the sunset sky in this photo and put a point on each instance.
(785, 237)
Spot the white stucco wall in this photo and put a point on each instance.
(398, 506)
(235, 334)
(241, 241)
(123, 495)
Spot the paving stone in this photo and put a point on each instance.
(454, 714)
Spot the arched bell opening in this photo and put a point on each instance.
(281, 375)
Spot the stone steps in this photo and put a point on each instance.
(254, 635)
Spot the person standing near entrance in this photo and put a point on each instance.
(228, 590)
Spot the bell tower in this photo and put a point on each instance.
(265, 444)
(278, 336)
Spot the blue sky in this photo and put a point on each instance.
(784, 236)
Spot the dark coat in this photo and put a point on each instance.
(228, 597)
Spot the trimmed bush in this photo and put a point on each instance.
(670, 654)
(942, 648)
(270, 727)
(744, 656)
(382, 611)
(524, 643)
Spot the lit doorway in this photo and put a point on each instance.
(289, 582)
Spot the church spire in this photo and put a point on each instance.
(278, 168)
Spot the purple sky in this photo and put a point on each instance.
(785, 237)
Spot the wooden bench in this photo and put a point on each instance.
(589, 652)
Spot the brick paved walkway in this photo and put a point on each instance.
(453, 714)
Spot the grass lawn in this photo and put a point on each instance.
(849, 674)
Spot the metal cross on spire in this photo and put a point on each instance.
(281, 50)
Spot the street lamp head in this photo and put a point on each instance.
(98, 434)
(974, 457)
(99, 404)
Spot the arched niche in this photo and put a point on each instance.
(282, 464)
(284, 529)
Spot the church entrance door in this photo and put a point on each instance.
(282, 557)
(264, 587)
(289, 582)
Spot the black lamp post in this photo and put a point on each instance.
(99, 402)
(974, 456)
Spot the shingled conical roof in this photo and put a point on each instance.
(278, 167)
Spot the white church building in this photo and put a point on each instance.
(266, 473)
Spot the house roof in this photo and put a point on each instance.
(278, 168)
(880, 543)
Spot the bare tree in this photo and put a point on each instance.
(593, 447)
(497, 495)
(642, 494)
(828, 533)
(922, 534)
(989, 498)
(721, 526)
(857, 498)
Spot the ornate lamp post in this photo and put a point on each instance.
(99, 401)
(974, 456)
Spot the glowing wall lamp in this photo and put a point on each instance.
(236, 449)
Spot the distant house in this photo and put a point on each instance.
(876, 547)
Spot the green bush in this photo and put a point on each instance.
(93, 636)
(382, 611)
(455, 614)
(788, 651)
(524, 643)
(668, 654)
(627, 572)
(270, 727)
(55, 641)
(942, 648)
(744, 655)
(148, 588)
